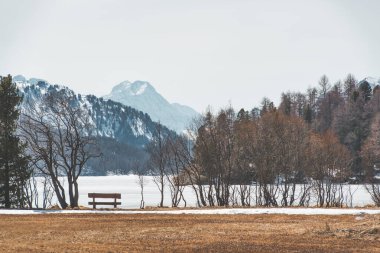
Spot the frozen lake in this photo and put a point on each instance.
(130, 191)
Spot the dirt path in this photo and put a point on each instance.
(189, 233)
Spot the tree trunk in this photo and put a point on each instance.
(76, 194)
(142, 203)
(162, 189)
(60, 193)
(162, 197)
(71, 190)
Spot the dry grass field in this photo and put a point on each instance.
(188, 233)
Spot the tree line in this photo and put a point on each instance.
(308, 148)
(300, 153)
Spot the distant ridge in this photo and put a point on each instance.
(144, 97)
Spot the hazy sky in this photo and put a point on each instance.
(196, 53)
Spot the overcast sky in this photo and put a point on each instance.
(197, 53)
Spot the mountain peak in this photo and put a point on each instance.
(19, 78)
(133, 89)
(143, 96)
(23, 80)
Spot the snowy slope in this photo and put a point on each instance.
(112, 119)
(373, 81)
(123, 129)
(142, 96)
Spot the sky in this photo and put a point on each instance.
(197, 53)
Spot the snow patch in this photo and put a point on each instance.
(229, 211)
(138, 128)
(140, 89)
(129, 188)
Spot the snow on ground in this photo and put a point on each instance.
(130, 192)
(227, 211)
(128, 187)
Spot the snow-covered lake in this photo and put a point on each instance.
(130, 191)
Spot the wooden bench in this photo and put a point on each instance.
(113, 196)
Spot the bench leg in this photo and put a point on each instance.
(93, 203)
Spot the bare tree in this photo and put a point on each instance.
(141, 181)
(245, 129)
(265, 160)
(324, 85)
(330, 163)
(349, 86)
(175, 169)
(191, 173)
(371, 160)
(59, 137)
(39, 135)
(158, 162)
(215, 155)
(32, 191)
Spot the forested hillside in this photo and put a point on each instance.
(122, 131)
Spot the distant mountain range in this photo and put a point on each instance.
(123, 131)
(142, 96)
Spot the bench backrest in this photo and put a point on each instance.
(105, 195)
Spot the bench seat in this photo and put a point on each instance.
(114, 196)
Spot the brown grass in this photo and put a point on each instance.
(188, 233)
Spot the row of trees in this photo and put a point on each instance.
(346, 108)
(309, 146)
(273, 160)
(351, 110)
(278, 155)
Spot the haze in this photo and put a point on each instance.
(196, 53)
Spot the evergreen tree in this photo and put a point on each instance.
(243, 115)
(13, 163)
(365, 90)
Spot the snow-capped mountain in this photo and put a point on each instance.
(122, 130)
(111, 119)
(142, 96)
(373, 81)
